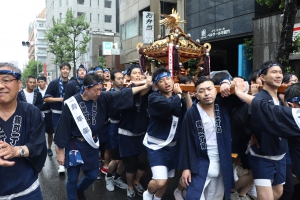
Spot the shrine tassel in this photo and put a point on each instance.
(176, 59)
(142, 63)
(206, 65)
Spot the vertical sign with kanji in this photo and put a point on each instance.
(148, 27)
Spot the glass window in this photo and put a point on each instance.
(81, 2)
(107, 30)
(123, 32)
(98, 18)
(90, 17)
(107, 4)
(67, 2)
(131, 28)
(60, 2)
(107, 18)
(100, 50)
(90, 3)
(60, 16)
(79, 14)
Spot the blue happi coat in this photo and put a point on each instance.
(25, 127)
(95, 112)
(269, 144)
(193, 148)
(37, 98)
(279, 121)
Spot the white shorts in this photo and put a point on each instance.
(162, 173)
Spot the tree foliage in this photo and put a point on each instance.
(248, 44)
(30, 69)
(296, 44)
(270, 3)
(102, 61)
(285, 46)
(68, 39)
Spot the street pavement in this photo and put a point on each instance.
(53, 185)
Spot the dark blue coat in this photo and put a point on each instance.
(134, 119)
(53, 91)
(193, 149)
(161, 110)
(25, 127)
(67, 126)
(269, 144)
(37, 98)
(279, 121)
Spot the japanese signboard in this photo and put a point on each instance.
(296, 30)
(107, 46)
(148, 27)
(214, 32)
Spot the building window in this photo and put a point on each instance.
(60, 16)
(107, 4)
(79, 14)
(60, 2)
(129, 29)
(90, 17)
(107, 30)
(81, 2)
(98, 2)
(90, 3)
(41, 25)
(108, 18)
(123, 32)
(98, 18)
(100, 50)
(67, 2)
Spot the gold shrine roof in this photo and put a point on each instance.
(187, 48)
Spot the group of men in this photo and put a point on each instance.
(150, 119)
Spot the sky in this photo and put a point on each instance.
(15, 17)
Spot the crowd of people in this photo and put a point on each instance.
(131, 121)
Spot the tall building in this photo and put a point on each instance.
(226, 25)
(36, 31)
(101, 14)
(132, 27)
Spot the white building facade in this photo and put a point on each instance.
(101, 14)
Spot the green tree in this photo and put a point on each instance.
(102, 61)
(296, 44)
(248, 44)
(30, 70)
(285, 46)
(68, 39)
(57, 41)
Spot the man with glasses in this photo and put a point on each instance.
(22, 140)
